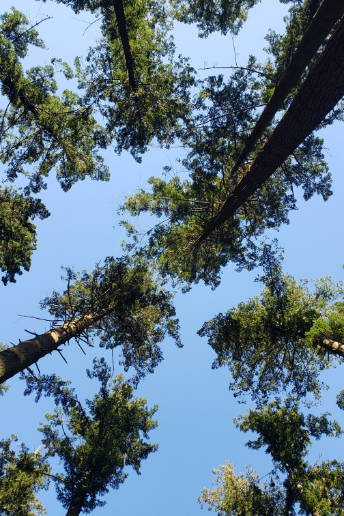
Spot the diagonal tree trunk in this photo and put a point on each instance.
(329, 12)
(123, 34)
(332, 346)
(16, 359)
(318, 95)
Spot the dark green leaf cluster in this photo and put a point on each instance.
(39, 129)
(282, 46)
(17, 232)
(225, 111)
(213, 15)
(286, 434)
(160, 104)
(295, 486)
(14, 27)
(22, 474)
(273, 342)
(138, 312)
(95, 442)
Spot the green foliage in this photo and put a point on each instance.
(14, 27)
(226, 113)
(294, 484)
(241, 495)
(138, 312)
(213, 15)
(17, 233)
(97, 441)
(271, 343)
(282, 46)
(161, 104)
(22, 474)
(39, 129)
(286, 432)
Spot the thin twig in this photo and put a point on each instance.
(81, 347)
(32, 27)
(92, 23)
(263, 74)
(31, 332)
(229, 113)
(62, 356)
(39, 318)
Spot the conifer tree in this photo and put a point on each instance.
(281, 340)
(120, 303)
(219, 213)
(95, 442)
(295, 486)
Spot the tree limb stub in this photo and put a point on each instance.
(318, 95)
(16, 359)
(329, 12)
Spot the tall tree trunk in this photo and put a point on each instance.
(16, 359)
(332, 346)
(318, 95)
(123, 34)
(75, 506)
(329, 12)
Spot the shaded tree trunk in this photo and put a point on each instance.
(76, 505)
(329, 12)
(318, 95)
(123, 34)
(16, 359)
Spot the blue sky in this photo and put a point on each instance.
(195, 432)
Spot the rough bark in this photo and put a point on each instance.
(318, 95)
(332, 346)
(329, 12)
(16, 359)
(123, 34)
(75, 506)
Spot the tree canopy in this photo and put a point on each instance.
(250, 148)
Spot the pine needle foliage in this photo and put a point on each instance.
(95, 441)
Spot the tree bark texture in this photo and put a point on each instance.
(75, 506)
(332, 346)
(123, 34)
(16, 359)
(318, 95)
(329, 12)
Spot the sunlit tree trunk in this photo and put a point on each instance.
(332, 346)
(16, 359)
(318, 95)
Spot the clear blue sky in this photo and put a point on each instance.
(195, 413)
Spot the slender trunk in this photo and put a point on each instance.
(329, 12)
(123, 34)
(318, 95)
(16, 359)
